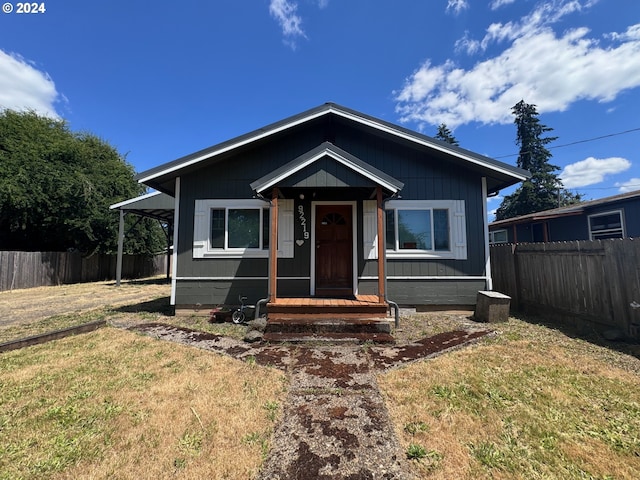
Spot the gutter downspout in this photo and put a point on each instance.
(391, 303)
(264, 301)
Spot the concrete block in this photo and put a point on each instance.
(492, 307)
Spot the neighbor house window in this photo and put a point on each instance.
(606, 225)
(498, 236)
(239, 228)
(423, 229)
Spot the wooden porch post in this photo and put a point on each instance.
(381, 247)
(273, 248)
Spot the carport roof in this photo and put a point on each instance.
(156, 205)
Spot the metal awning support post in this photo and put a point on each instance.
(120, 249)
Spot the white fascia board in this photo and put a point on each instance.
(425, 143)
(235, 145)
(339, 158)
(133, 200)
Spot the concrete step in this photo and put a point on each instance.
(328, 324)
(328, 328)
(330, 338)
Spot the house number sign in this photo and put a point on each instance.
(303, 224)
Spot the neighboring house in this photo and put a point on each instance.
(331, 203)
(611, 217)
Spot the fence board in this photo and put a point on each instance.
(586, 281)
(36, 269)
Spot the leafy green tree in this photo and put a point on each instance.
(56, 187)
(544, 189)
(446, 135)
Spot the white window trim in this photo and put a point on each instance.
(492, 236)
(457, 229)
(202, 228)
(602, 214)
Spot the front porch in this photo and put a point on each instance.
(360, 319)
(358, 305)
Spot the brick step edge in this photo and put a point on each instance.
(328, 338)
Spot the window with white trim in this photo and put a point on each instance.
(498, 236)
(606, 225)
(419, 229)
(238, 228)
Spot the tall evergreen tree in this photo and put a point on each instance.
(445, 135)
(544, 189)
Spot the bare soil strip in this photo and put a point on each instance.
(335, 423)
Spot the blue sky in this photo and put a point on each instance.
(161, 79)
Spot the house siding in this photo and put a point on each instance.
(425, 178)
(574, 227)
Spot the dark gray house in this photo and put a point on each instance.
(610, 217)
(331, 203)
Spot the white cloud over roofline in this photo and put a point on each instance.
(592, 170)
(24, 87)
(285, 13)
(630, 185)
(538, 66)
(457, 6)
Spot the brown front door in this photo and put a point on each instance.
(334, 250)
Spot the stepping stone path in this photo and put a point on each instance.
(335, 423)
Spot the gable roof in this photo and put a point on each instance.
(327, 149)
(569, 210)
(499, 174)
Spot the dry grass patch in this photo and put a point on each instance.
(532, 403)
(112, 404)
(44, 309)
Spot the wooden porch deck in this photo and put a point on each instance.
(360, 305)
(358, 300)
(359, 319)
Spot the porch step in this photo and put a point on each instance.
(326, 328)
(281, 337)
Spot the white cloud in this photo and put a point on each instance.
(592, 170)
(456, 6)
(285, 12)
(500, 3)
(538, 66)
(631, 185)
(24, 87)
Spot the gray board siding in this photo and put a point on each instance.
(428, 292)
(230, 176)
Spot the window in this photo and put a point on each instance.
(498, 236)
(418, 229)
(606, 225)
(239, 228)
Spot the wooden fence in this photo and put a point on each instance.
(35, 269)
(589, 284)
